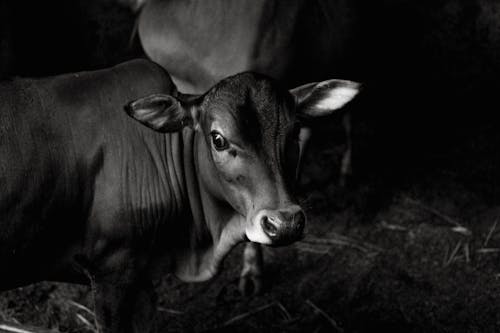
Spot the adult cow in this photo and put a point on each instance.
(89, 195)
(200, 42)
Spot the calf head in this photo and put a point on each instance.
(248, 145)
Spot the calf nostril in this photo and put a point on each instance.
(268, 226)
(300, 220)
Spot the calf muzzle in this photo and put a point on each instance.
(284, 226)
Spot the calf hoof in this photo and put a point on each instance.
(251, 274)
(345, 181)
(250, 284)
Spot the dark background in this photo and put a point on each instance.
(426, 137)
(430, 68)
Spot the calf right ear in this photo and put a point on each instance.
(323, 98)
(161, 112)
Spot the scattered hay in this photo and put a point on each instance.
(390, 226)
(488, 250)
(13, 328)
(283, 310)
(86, 322)
(324, 245)
(490, 233)
(330, 320)
(169, 311)
(248, 314)
(89, 324)
(453, 256)
(457, 227)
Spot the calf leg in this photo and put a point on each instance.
(124, 300)
(304, 137)
(346, 164)
(124, 306)
(251, 274)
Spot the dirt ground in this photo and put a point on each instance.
(415, 249)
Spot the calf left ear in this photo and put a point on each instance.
(161, 112)
(324, 98)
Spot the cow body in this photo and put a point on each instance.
(201, 42)
(89, 195)
(69, 165)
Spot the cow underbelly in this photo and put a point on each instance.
(35, 249)
(38, 264)
(36, 269)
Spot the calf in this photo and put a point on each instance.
(295, 41)
(89, 195)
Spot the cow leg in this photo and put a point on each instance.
(346, 164)
(124, 303)
(251, 274)
(304, 137)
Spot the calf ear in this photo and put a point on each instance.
(324, 98)
(162, 113)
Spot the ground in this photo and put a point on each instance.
(406, 247)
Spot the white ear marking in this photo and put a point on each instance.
(337, 98)
(324, 98)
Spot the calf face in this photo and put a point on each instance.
(250, 129)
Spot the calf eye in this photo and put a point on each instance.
(219, 142)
